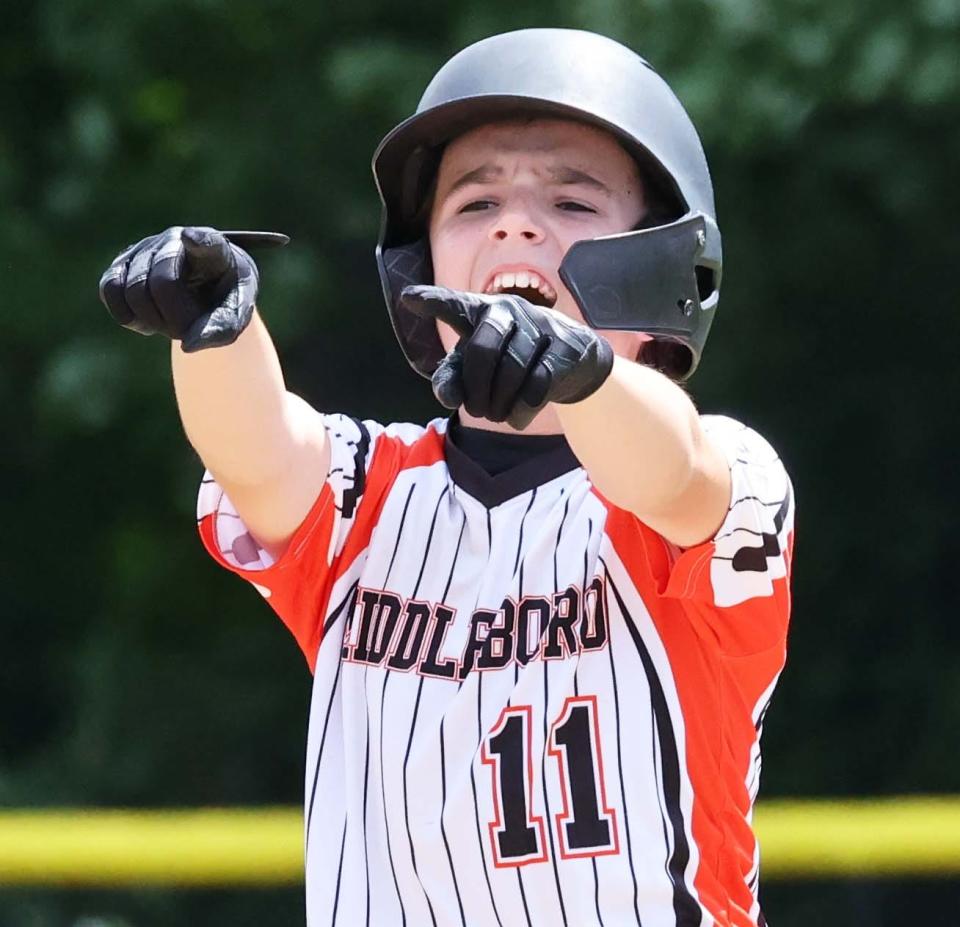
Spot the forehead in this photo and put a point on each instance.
(544, 141)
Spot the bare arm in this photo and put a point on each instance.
(640, 439)
(266, 447)
(636, 432)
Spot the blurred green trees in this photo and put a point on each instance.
(136, 672)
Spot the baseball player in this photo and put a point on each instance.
(545, 627)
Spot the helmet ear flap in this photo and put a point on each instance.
(411, 265)
(419, 188)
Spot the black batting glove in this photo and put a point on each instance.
(192, 284)
(513, 357)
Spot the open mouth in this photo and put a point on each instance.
(525, 284)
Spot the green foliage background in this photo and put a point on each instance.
(135, 672)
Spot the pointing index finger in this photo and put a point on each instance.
(461, 311)
(245, 239)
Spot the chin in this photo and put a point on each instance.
(546, 422)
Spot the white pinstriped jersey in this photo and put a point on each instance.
(528, 707)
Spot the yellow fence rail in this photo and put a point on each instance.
(206, 847)
(888, 837)
(264, 847)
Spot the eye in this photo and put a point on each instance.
(476, 206)
(571, 206)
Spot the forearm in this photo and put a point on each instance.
(638, 436)
(235, 408)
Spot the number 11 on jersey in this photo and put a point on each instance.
(586, 826)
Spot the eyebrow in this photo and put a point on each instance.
(570, 176)
(483, 174)
(565, 176)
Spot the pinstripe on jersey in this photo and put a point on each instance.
(528, 708)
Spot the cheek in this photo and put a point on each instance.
(452, 255)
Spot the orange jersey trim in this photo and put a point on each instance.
(719, 681)
(299, 584)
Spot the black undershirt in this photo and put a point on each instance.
(496, 452)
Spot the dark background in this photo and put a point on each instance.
(135, 672)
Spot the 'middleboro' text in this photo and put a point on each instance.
(384, 629)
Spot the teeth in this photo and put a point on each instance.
(523, 278)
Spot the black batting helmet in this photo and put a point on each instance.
(662, 279)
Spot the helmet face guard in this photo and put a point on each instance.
(662, 280)
(649, 280)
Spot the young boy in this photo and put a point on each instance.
(544, 630)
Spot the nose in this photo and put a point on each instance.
(517, 222)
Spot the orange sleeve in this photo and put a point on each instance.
(737, 583)
(299, 585)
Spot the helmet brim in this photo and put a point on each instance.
(407, 159)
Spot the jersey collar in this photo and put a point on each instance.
(549, 457)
